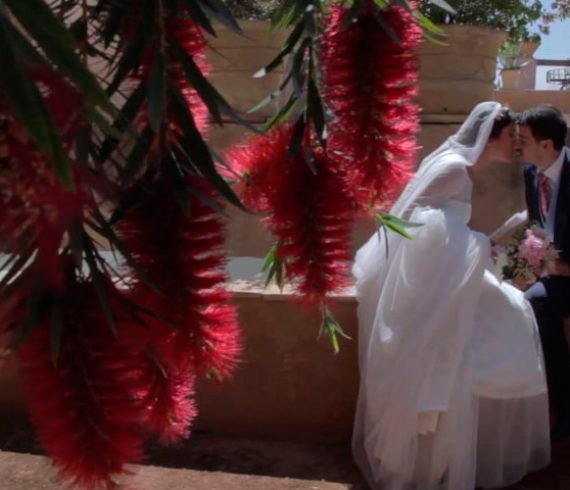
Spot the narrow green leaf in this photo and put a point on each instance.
(123, 121)
(102, 227)
(59, 45)
(399, 221)
(397, 225)
(197, 14)
(137, 159)
(196, 148)
(155, 94)
(316, 112)
(297, 138)
(133, 54)
(442, 4)
(290, 43)
(177, 184)
(269, 258)
(298, 74)
(387, 28)
(98, 283)
(215, 102)
(113, 19)
(218, 11)
(29, 108)
(283, 115)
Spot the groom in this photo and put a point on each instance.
(542, 136)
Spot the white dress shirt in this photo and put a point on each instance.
(553, 173)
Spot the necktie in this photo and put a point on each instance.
(544, 194)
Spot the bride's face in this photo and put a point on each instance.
(501, 149)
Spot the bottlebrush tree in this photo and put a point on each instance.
(104, 113)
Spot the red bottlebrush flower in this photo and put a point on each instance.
(190, 37)
(309, 212)
(253, 164)
(34, 205)
(369, 81)
(88, 407)
(169, 400)
(182, 255)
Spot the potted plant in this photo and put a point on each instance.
(467, 62)
(512, 57)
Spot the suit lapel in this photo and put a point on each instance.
(531, 191)
(562, 200)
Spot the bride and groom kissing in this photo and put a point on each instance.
(460, 371)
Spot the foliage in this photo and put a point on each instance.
(516, 17)
(252, 9)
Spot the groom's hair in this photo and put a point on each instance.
(504, 119)
(546, 122)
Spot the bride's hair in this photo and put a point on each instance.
(504, 119)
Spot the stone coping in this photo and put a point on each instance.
(247, 282)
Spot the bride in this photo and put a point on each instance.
(452, 390)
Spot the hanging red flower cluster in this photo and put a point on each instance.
(370, 77)
(194, 328)
(108, 390)
(35, 208)
(306, 207)
(310, 201)
(89, 405)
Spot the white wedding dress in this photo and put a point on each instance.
(440, 335)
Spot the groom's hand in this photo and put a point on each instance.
(557, 267)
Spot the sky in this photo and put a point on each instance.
(555, 46)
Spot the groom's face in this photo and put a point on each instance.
(531, 150)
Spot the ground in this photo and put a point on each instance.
(207, 462)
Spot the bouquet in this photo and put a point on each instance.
(529, 255)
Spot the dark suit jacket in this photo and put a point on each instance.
(562, 213)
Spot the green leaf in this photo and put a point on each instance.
(177, 183)
(197, 15)
(331, 327)
(104, 229)
(387, 28)
(292, 40)
(113, 19)
(442, 4)
(396, 224)
(269, 258)
(284, 114)
(218, 11)
(132, 56)
(274, 266)
(56, 331)
(155, 93)
(139, 154)
(297, 137)
(29, 108)
(215, 102)
(196, 148)
(297, 69)
(99, 283)
(316, 112)
(124, 119)
(59, 45)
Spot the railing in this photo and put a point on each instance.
(559, 76)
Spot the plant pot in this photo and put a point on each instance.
(457, 76)
(528, 48)
(510, 79)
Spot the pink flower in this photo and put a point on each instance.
(533, 248)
